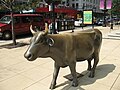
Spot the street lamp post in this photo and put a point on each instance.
(83, 7)
(53, 17)
(93, 15)
(111, 21)
(104, 10)
(52, 9)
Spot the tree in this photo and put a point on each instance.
(116, 7)
(12, 7)
(19, 5)
(31, 4)
(9, 5)
(27, 6)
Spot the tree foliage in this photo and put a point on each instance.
(18, 6)
(116, 7)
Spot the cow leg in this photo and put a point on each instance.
(73, 72)
(89, 64)
(96, 60)
(55, 74)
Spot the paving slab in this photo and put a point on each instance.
(117, 83)
(17, 82)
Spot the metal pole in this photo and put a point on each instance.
(83, 14)
(92, 19)
(104, 22)
(111, 26)
(53, 17)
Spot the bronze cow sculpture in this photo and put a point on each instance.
(66, 49)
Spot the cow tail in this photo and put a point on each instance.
(98, 38)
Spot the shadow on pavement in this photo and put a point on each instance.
(19, 37)
(101, 72)
(10, 46)
(112, 38)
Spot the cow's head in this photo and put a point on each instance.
(39, 44)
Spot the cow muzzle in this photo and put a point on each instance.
(29, 56)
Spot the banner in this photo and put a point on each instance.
(102, 4)
(87, 17)
(105, 4)
(108, 4)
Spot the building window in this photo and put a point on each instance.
(73, 5)
(77, 5)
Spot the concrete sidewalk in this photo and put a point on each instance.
(16, 73)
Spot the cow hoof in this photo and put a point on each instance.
(74, 84)
(52, 86)
(91, 75)
(89, 69)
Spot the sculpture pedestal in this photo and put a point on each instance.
(69, 76)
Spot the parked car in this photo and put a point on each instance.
(22, 24)
(99, 22)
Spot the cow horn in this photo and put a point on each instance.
(46, 29)
(31, 29)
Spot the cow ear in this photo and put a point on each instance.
(50, 41)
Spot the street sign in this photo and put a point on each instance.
(87, 17)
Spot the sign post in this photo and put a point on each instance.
(88, 17)
(52, 10)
